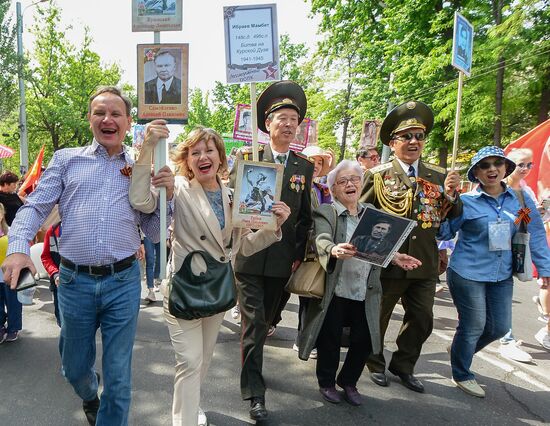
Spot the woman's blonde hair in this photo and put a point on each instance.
(180, 154)
(3, 224)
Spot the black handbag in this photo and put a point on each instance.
(199, 296)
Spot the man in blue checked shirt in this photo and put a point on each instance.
(99, 284)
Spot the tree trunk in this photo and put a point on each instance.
(443, 153)
(544, 105)
(344, 139)
(497, 136)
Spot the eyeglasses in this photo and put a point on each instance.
(407, 137)
(373, 157)
(484, 165)
(343, 181)
(525, 165)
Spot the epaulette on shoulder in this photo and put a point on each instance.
(381, 168)
(435, 168)
(299, 154)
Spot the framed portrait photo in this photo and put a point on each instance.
(257, 187)
(157, 15)
(162, 71)
(379, 235)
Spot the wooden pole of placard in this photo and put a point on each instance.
(253, 109)
(160, 161)
(457, 119)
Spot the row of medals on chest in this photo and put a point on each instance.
(429, 195)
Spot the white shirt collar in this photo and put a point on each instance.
(167, 83)
(406, 166)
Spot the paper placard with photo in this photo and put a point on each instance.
(369, 133)
(379, 235)
(162, 72)
(257, 187)
(156, 15)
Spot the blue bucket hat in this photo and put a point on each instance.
(489, 151)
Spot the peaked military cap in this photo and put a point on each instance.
(409, 115)
(281, 94)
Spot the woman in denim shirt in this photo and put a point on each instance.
(480, 269)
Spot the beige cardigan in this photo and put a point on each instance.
(194, 223)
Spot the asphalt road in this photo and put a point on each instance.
(32, 391)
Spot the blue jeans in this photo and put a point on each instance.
(484, 315)
(86, 303)
(152, 261)
(11, 309)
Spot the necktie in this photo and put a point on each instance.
(281, 158)
(163, 95)
(412, 176)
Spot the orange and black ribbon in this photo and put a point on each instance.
(523, 216)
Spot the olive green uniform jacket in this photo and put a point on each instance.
(421, 243)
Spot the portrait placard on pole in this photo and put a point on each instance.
(369, 134)
(251, 43)
(463, 44)
(157, 15)
(162, 72)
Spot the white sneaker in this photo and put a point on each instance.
(151, 296)
(471, 388)
(511, 350)
(156, 284)
(295, 348)
(202, 420)
(236, 312)
(313, 354)
(543, 338)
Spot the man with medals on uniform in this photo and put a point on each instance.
(423, 192)
(261, 278)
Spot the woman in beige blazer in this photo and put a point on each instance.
(201, 221)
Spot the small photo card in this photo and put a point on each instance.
(379, 235)
(257, 187)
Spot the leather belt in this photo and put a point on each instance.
(101, 270)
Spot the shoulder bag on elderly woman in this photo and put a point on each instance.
(199, 296)
(309, 279)
(522, 264)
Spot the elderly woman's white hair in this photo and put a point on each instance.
(518, 154)
(342, 165)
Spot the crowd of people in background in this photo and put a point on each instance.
(105, 225)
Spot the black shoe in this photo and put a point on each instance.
(409, 381)
(92, 407)
(257, 408)
(379, 378)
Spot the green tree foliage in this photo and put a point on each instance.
(8, 59)
(61, 77)
(402, 51)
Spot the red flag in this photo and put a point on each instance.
(33, 175)
(538, 140)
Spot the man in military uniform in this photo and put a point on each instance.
(261, 278)
(423, 192)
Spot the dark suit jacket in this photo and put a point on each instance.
(173, 95)
(421, 242)
(277, 259)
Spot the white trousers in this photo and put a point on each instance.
(193, 342)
